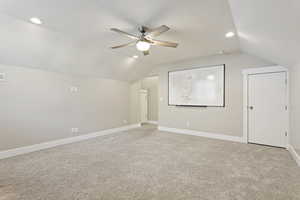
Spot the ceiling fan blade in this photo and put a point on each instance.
(124, 33)
(164, 43)
(157, 31)
(124, 45)
(146, 53)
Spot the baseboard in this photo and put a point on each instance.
(294, 154)
(46, 145)
(202, 134)
(152, 122)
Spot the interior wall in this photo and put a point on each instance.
(151, 85)
(228, 120)
(295, 107)
(268, 29)
(39, 106)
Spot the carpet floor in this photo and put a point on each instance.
(148, 164)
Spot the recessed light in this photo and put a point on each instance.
(135, 56)
(230, 34)
(211, 77)
(36, 20)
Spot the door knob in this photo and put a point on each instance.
(250, 107)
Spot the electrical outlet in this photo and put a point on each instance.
(188, 124)
(74, 130)
(125, 121)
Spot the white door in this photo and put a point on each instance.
(267, 117)
(144, 106)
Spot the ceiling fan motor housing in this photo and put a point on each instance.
(144, 41)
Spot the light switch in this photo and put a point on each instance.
(74, 89)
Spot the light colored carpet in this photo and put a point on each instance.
(147, 164)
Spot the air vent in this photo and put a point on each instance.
(2, 76)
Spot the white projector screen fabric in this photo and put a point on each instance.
(202, 86)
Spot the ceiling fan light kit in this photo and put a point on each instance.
(142, 46)
(145, 40)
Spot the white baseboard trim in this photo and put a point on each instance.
(203, 134)
(152, 122)
(294, 154)
(36, 147)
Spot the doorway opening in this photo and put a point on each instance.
(149, 100)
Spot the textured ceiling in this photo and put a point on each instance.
(75, 36)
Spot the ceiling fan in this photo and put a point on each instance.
(144, 41)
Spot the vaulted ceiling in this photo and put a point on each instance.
(75, 36)
(269, 29)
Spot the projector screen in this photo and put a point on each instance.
(198, 87)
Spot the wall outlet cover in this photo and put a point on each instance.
(74, 130)
(74, 89)
(188, 124)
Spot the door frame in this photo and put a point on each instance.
(143, 91)
(263, 70)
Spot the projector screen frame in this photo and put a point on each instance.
(192, 68)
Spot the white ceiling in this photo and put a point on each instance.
(269, 29)
(75, 36)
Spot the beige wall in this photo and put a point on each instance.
(38, 106)
(226, 120)
(151, 85)
(295, 107)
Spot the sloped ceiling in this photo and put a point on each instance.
(75, 36)
(269, 29)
